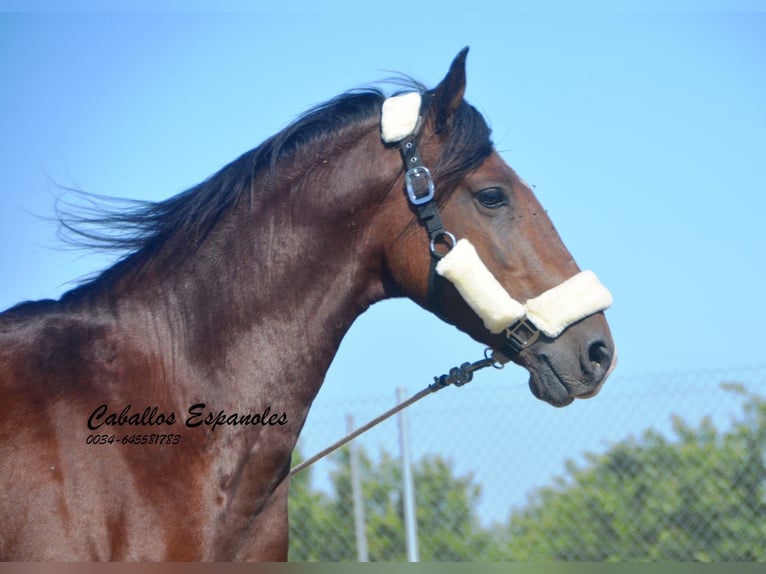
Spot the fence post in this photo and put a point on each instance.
(410, 522)
(358, 501)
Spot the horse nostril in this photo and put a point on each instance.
(600, 355)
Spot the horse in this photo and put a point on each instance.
(151, 411)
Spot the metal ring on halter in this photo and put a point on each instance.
(489, 354)
(438, 236)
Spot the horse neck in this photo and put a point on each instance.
(267, 297)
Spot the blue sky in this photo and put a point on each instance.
(642, 130)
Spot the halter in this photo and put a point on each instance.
(550, 313)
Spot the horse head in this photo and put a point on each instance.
(481, 252)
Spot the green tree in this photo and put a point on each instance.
(448, 525)
(310, 518)
(698, 496)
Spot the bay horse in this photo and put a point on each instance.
(150, 413)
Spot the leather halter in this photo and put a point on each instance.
(420, 190)
(580, 296)
(419, 184)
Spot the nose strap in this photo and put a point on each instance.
(576, 298)
(551, 312)
(479, 288)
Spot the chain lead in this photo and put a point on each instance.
(463, 374)
(457, 376)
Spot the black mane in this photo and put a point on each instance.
(127, 226)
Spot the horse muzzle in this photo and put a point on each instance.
(573, 366)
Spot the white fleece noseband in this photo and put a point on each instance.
(479, 288)
(551, 312)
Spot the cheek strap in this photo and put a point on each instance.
(551, 312)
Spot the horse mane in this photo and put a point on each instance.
(129, 226)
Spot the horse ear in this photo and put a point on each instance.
(448, 95)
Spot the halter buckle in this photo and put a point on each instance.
(420, 185)
(521, 335)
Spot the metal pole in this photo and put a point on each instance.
(410, 522)
(356, 492)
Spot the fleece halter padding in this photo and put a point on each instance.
(399, 116)
(489, 300)
(551, 312)
(576, 298)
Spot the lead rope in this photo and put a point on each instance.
(457, 376)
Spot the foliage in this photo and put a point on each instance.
(699, 495)
(447, 523)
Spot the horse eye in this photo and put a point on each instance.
(492, 197)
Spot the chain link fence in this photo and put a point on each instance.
(657, 467)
